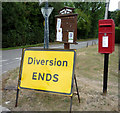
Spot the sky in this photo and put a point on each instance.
(113, 5)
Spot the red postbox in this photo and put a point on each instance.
(106, 36)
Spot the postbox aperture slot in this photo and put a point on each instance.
(105, 25)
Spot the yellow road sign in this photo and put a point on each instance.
(48, 70)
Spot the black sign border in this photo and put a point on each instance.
(22, 60)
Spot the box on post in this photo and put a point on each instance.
(106, 36)
(66, 26)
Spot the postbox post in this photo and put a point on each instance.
(106, 57)
(105, 77)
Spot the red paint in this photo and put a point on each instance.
(106, 27)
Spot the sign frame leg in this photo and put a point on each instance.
(71, 98)
(71, 103)
(77, 88)
(17, 94)
(77, 93)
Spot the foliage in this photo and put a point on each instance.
(115, 15)
(89, 14)
(118, 18)
(117, 35)
(83, 24)
(22, 22)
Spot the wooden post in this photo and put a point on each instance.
(66, 46)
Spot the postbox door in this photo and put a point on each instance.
(105, 43)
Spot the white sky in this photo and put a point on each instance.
(113, 5)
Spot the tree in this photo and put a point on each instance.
(118, 18)
(91, 12)
(115, 15)
(83, 24)
(23, 23)
(13, 24)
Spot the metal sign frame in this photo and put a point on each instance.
(73, 76)
(68, 94)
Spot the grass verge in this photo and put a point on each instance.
(89, 72)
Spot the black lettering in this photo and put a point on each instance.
(55, 62)
(38, 61)
(42, 62)
(40, 76)
(59, 63)
(46, 61)
(48, 77)
(30, 60)
(64, 63)
(34, 76)
(34, 59)
(56, 79)
(51, 63)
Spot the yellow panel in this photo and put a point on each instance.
(48, 70)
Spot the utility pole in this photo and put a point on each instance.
(106, 9)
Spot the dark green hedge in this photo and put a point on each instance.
(22, 23)
(117, 35)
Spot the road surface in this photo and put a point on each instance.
(11, 58)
